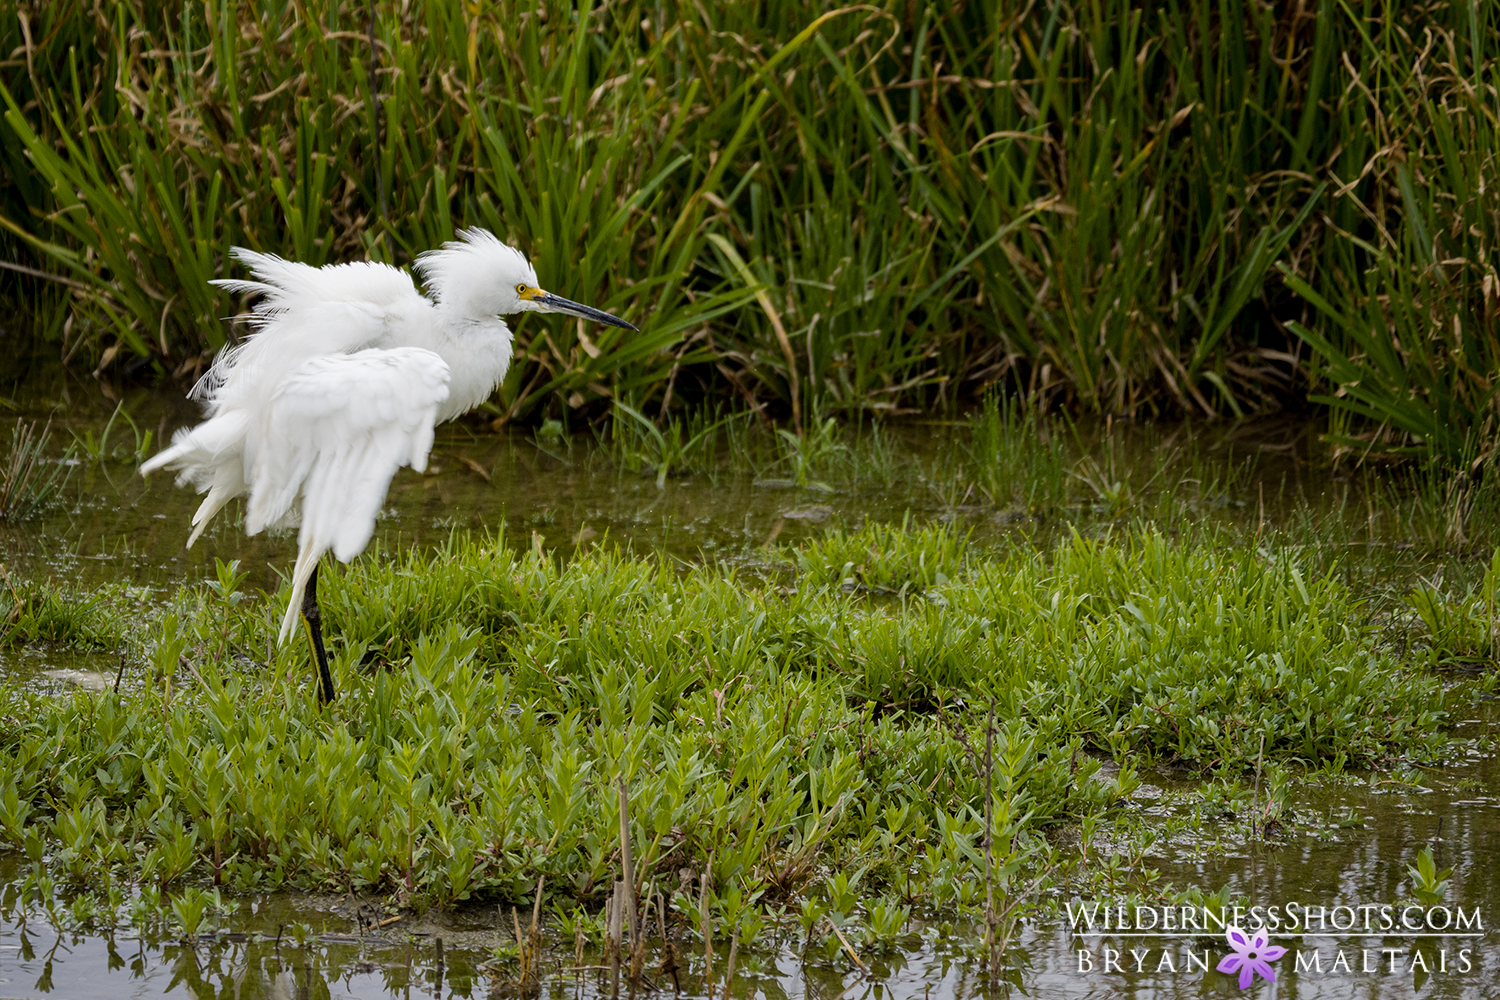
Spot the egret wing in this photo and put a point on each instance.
(302, 312)
(336, 430)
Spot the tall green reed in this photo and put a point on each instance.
(870, 208)
(1406, 319)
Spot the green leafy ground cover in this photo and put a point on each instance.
(828, 714)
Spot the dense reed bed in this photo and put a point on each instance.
(1194, 207)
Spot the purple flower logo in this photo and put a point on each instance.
(1252, 955)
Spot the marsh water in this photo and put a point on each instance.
(1354, 837)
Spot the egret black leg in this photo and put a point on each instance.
(314, 619)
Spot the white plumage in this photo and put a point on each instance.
(347, 372)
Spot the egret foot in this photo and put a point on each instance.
(313, 619)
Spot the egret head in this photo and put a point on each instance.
(478, 275)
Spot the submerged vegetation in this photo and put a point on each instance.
(771, 730)
(1200, 207)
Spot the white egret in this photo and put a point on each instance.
(347, 372)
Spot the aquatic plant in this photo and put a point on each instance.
(32, 611)
(1458, 625)
(99, 449)
(1018, 457)
(28, 477)
(682, 444)
(1429, 886)
(885, 558)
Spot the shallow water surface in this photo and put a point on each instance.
(115, 526)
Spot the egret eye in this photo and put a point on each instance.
(520, 289)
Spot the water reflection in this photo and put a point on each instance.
(39, 962)
(76, 965)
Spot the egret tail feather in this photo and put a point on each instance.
(211, 505)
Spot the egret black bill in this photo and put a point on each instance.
(556, 303)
